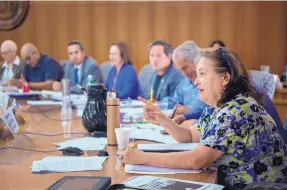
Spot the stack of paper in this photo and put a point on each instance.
(167, 147)
(75, 98)
(153, 182)
(68, 164)
(85, 143)
(131, 103)
(144, 169)
(153, 134)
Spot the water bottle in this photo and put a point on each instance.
(66, 115)
(90, 80)
(113, 117)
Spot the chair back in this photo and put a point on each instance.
(105, 68)
(144, 78)
(265, 81)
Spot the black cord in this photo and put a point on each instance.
(17, 148)
(56, 134)
(38, 110)
(48, 117)
(49, 135)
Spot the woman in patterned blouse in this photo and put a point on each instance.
(237, 137)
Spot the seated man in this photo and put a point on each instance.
(165, 77)
(40, 70)
(12, 67)
(186, 95)
(78, 69)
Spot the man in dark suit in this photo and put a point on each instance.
(165, 77)
(79, 69)
(12, 66)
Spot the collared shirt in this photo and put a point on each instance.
(8, 72)
(46, 69)
(186, 94)
(79, 67)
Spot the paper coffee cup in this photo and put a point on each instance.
(123, 137)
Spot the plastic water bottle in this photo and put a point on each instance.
(90, 80)
(66, 115)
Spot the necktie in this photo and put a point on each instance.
(76, 75)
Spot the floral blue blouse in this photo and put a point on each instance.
(253, 149)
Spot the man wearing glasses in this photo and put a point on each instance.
(12, 67)
(40, 70)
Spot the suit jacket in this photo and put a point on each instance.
(127, 83)
(168, 83)
(17, 70)
(89, 67)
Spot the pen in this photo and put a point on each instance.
(79, 86)
(141, 122)
(151, 95)
(132, 146)
(173, 113)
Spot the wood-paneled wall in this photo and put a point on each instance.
(256, 30)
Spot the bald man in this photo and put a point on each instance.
(12, 67)
(40, 70)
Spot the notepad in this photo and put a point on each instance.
(68, 164)
(144, 169)
(177, 147)
(85, 143)
(153, 182)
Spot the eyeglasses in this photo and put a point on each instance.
(4, 53)
(115, 54)
(224, 57)
(28, 58)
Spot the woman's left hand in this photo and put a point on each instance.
(132, 156)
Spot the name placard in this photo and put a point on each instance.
(9, 119)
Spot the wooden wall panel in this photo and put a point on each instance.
(256, 30)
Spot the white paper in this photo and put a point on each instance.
(124, 103)
(152, 135)
(144, 169)
(148, 126)
(85, 143)
(153, 182)
(75, 98)
(68, 164)
(167, 147)
(42, 102)
(23, 94)
(132, 111)
(10, 120)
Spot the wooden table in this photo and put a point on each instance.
(15, 164)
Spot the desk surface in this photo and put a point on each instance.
(15, 164)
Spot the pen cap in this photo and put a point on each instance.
(113, 119)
